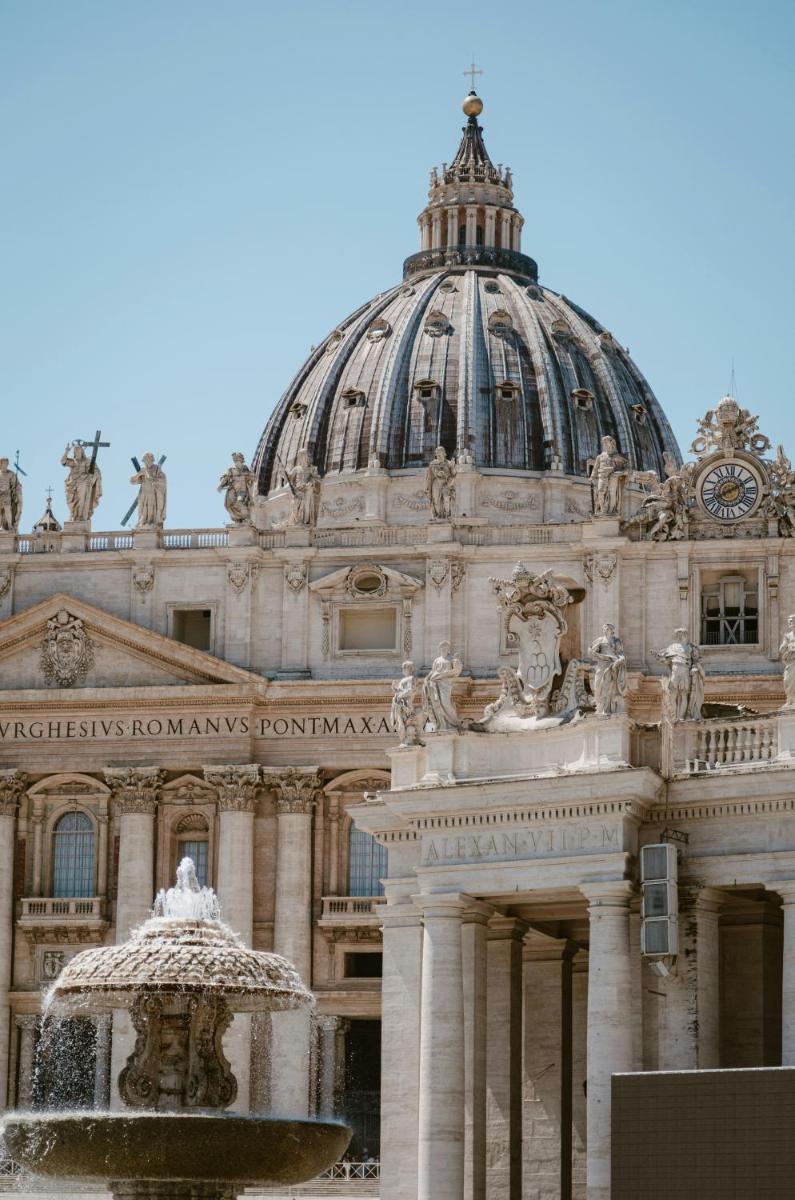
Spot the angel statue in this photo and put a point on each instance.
(663, 513)
(781, 505)
(10, 498)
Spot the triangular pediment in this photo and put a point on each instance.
(65, 643)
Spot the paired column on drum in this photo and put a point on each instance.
(610, 1033)
(136, 791)
(236, 787)
(12, 784)
(400, 1044)
(295, 790)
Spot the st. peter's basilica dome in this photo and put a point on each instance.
(469, 352)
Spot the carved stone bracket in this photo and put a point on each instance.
(601, 567)
(12, 785)
(6, 577)
(295, 576)
(239, 573)
(236, 786)
(135, 789)
(295, 787)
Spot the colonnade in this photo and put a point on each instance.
(439, 227)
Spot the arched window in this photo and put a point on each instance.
(193, 840)
(73, 856)
(366, 864)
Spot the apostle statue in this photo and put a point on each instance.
(151, 480)
(304, 481)
(683, 687)
(610, 676)
(239, 487)
(437, 692)
(10, 498)
(403, 713)
(440, 484)
(787, 652)
(664, 511)
(608, 477)
(83, 484)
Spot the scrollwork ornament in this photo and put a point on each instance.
(12, 785)
(601, 568)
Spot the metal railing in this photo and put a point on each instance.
(353, 1170)
(471, 256)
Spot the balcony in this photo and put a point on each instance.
(63, 918)
(703, 747)
(510, 261)
(351, 910)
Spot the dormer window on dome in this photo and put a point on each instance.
(507, 391)
(379, 330)
(500, 324)
(353, 398)
(436, 324)
(583, 399)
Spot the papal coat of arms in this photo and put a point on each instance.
(67, 652)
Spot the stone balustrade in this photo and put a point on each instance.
(352, 910)
(58, 908)
(698, 747)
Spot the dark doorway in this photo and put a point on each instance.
(361, 1103)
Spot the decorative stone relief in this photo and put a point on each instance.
(683, 686)
(510, 501)
(12, 785)
(143, 580)
(575, 509)
(601, 567)
(407, 607)
(52, 962)
(341, 507)
(729, 427)
(5, 581)
(366, 581)
(188, 790)
(236, 786)
(135, 789)
(67, 652)
(295, 576)
(663, 513)
(438, 572)
(458, 570)
(295, 787)
(416, 501)
(239, 573)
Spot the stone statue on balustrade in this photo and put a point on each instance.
(83, 484)
(787, 653)
(151, 480)
(781, 502)
(683, 686)
(608, 476)
(304, 482)
(610, 675)
(10, 498)
(440, 484)
(438, 708)
(239, 487)
(663, 514)
(405, 717)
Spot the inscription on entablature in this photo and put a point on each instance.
(519, 842)
(375, 724)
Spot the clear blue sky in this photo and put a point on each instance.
(196, 191)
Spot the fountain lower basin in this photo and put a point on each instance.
(193, 1147)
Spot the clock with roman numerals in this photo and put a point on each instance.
(730, 490)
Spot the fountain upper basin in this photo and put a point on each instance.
(200, 1147)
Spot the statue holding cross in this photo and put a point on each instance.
(83, 484)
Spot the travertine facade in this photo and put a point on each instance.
(229, 692)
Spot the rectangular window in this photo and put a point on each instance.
(198, 852)
(192, 627)
(729, 612)
(363, 966)
(372, 629)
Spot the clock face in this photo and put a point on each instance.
(729, 491)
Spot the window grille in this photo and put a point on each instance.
(73, 856)
(197, 850)
(729, 613)
(367, 864)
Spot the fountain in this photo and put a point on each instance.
(182, 974)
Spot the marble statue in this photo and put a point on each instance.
(304, 481)
(787, 652)
(10, 498)
(438, 707)
(683, 687)
(239, 487)
(781, 502)
(403, 713)
(534, 610)
(663, 512)
(608, 478)
(83, 484)
(440, 484)
(610, 675)
(151, 480)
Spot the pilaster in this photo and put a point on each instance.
(690, 1010)
(504, 1058)
(12, 785)
(786, 890)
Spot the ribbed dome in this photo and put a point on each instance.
(469, 353)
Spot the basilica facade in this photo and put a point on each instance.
(471, 636)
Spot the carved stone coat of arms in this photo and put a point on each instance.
(67, 652)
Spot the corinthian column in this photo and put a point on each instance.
(295, 789)
(237, 787)
(11, 786)
(28, 1026)
(135, 790)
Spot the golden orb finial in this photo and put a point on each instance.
(473, 105)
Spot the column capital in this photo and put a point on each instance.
(12, 785)
(332, 1023)
(27, 1020)
(445, 904)
(135, 789)
(607, 895)
(236, 786)
(507, 928)
(693, 898)
(295, 787)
